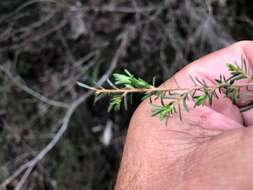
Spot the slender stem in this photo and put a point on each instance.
(162, 89)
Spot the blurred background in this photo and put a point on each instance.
(51, 135)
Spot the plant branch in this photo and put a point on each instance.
(156, 89)
(200, 93)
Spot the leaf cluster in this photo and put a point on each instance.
(125, 81)
(128, 80)
(171, 100)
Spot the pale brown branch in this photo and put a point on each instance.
(160, 89)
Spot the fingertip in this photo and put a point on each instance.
(215, 63)
(247, 47)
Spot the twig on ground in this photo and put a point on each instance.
(126, 10)
(29, 166)
(16, 80)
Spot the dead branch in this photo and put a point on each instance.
(29, 166)
(17, 81)
(125, 10)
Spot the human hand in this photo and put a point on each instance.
(211, 148)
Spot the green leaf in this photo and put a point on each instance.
(125, 102)
(121, 79)
(232, 67)
(85, 86)
(140, 83)
(115, 103)
(111, 84)
(154, 81)
(128, 73)
(98, 97)
(165, 111)
(200, 100)
(233, 93)
(129, 81)
(147, 95)
(247, 107)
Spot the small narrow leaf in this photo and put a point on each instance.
(98, 97)
(111, 84)
(200, 100)
(115, 103)
(125, 102)
(85, 86)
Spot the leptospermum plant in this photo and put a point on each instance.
(172, 101)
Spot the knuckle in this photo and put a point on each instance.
(241, 44)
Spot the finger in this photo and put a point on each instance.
(203, 117)
(211, 66)
(248, 51)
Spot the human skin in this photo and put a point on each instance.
(211, 148)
